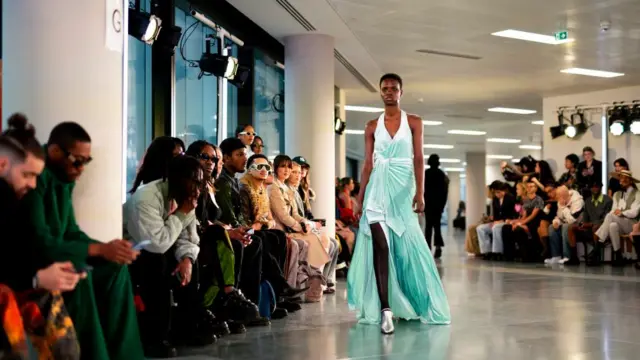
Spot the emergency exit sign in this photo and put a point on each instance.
(561, 35)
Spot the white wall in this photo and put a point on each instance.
(625, 146)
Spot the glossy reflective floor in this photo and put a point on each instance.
(500, 311)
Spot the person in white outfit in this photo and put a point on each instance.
(570, 206)
(623, 215)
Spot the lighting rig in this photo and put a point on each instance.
(571, 122)
(148, 28)
(624, 118)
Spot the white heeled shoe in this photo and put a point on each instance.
(386, 325)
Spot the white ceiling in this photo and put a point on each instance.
(379, 36)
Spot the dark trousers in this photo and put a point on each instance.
(433, 227)
(168, 306)
(274, 255)
(249, 267)
(521, 244)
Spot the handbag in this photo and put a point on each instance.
(48, 325)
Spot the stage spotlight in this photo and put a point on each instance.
(634, 120)
(241, 76)
(222, 65)
(559, 130)
(339, 125)
(143, 26)
(577, 127)
(618, 120)
(169, 38)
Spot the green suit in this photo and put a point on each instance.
(101, 306)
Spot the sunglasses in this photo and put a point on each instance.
(260, 167)
(257, 145)
(76, 162)
(206, 157)
(248, 133)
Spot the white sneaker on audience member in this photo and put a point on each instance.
(553, 260)
(563, 260)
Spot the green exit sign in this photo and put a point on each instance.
(561, 35)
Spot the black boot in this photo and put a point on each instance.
(545, 247)
(438, 253)
(573, 258)
(593, 258)
(234, 306)
(161, 350)
(636, 245)
(618, 259)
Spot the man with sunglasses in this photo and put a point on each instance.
(101, 306)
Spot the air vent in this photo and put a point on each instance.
(286, 5)
(460, 116)
(296, 15)
(449, 54)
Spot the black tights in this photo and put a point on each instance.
(381, 263)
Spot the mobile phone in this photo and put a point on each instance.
(250, 231)
(84, 269)
(141, 245)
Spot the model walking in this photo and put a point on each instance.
(392, 270)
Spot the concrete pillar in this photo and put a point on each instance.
(58, 68)
(309, 114)
(476, 189)
(341, 140)
(454, 197)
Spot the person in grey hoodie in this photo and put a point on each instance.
(163, 213)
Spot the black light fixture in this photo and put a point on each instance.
(634, 118)
(578, 126)
(169, 38)
(618, 119)
(559, 130)
(143, 26)
(339, 125)
(222, 66)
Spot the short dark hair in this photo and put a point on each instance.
(183, 169)
(575, 160)
(281, 161)
(66, 134)
(19, 139)
(229, 145)
(256, 138)
(255, 157)
(179, 142)
(623, 163)
(240, 128)
(391, 76)
(589, 149)
(196, 148)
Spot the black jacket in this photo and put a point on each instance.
(436, 190)
(228, 198)
(19, 257)
(505, 211)
(583, 175)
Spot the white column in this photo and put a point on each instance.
(341, 140)
(57, 68)
(454, 197)
(309, 113)
(476, 189)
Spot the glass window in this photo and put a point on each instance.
(269, 104)
(139, 121)
(196, 99)
(232, 99)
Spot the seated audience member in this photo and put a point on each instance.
(156, 159)
(282, 205)
(522, 233)
(471, 241)
(163, 212)
(624, 214)
(460, 221)
(515, 173)
(22, 268)
(101, 306)
(570, 206)
(21, 162)
(596, 207)
(570, 178)
(503, 208)
(222, 249)
(547, 215)
(588, 170)
(306, 192)
(274, 242)
(179, 146)
(346, 206)
(614, 184)
(257, 146)
(329, 270)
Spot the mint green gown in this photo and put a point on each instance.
(415, 289)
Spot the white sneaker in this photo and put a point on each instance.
(553, 260)
(563, 260)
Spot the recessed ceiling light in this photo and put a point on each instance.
(437, 146)
(530, 147)
(354, 132)
(512, 111)
(467, 132)
(537, 122)
(431, 122)
(588, 72)
(529, 36)
(504, 141)
(501, 157)
(453, 169)
(363, 108)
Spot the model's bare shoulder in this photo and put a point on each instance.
(414, 120)
(371, 126)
